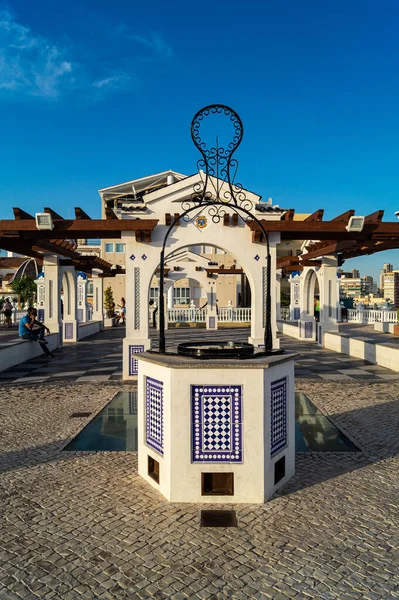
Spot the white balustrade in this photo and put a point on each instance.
(186, 315)
(369, 316)
(15, 317)
(234, 315)
(285, 313)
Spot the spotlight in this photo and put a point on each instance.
(355, 224)
(44, 221)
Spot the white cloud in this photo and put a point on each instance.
(29, 63)
(115, 82)
(153, 41)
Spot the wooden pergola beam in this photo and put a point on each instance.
(316, 216)
(80, 214)
(20, 214)
(375, 217)
(55, 216)
(344, 218)
(288, 215)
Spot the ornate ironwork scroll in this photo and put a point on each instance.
(216, 194)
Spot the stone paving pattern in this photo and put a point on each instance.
(85, 526)
(99, 358)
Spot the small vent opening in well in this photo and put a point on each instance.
(153, 469)
(218, 518)
(279, 470)
(76, 415)
(217, 484)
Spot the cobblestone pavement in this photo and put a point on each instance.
(85, 526)
(99, 358)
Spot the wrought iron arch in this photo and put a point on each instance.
(216, 193)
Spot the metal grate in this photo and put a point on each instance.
(80, 414)
(218, 518)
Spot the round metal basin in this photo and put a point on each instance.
(216, 349)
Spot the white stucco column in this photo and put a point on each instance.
(278, 295)
(328, 295)
(211, 315)
(40, 296)
(82, 298)
(295, 295)
(98, 296)
(141, 263)
(70, 323)
(52, 293)
(170, 300)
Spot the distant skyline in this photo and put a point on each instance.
(96, 93)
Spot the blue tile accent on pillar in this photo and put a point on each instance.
(297, 314)
(80, 315)
(68, 331)
(278, 417)
(133, 362)
(308, 329)
(154, 414)
(40, 314)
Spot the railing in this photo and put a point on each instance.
(15, 317)
(372, 316)
(284, 313)
(186, 315)
(234, 315)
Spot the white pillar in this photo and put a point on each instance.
(328, 295)
(52, 293)
(211, 315)
(70, 323)
(278, 295)
(98, 297)
(295, 295)
(82, 298)
(40, 296)
(170, 300)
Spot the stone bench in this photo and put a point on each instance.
(15, 352)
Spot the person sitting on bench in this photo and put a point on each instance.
(26, 331)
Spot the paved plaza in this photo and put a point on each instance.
(84, 526)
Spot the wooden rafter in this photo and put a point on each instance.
(55, 216)
(375, 217)
(344, 218)
(80, 214)
(288, 215)
(20, 214)
(316, 216)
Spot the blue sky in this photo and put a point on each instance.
(95, 93)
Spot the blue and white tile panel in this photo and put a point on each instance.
(278, 417)
(216, 423)
(133, 362)
(154, 415)
(69, 331)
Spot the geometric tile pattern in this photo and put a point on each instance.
(278, 415)
(50, 299)
(154, 414)
(69, 331)
(133, 362)
(216, 423)
(308, 329)
(137, 298)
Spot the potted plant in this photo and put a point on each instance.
(109, 305)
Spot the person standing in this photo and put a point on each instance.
(7, 312)
(26, 331)
(122, 306)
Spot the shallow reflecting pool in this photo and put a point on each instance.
(115, 428)
(314, 432)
